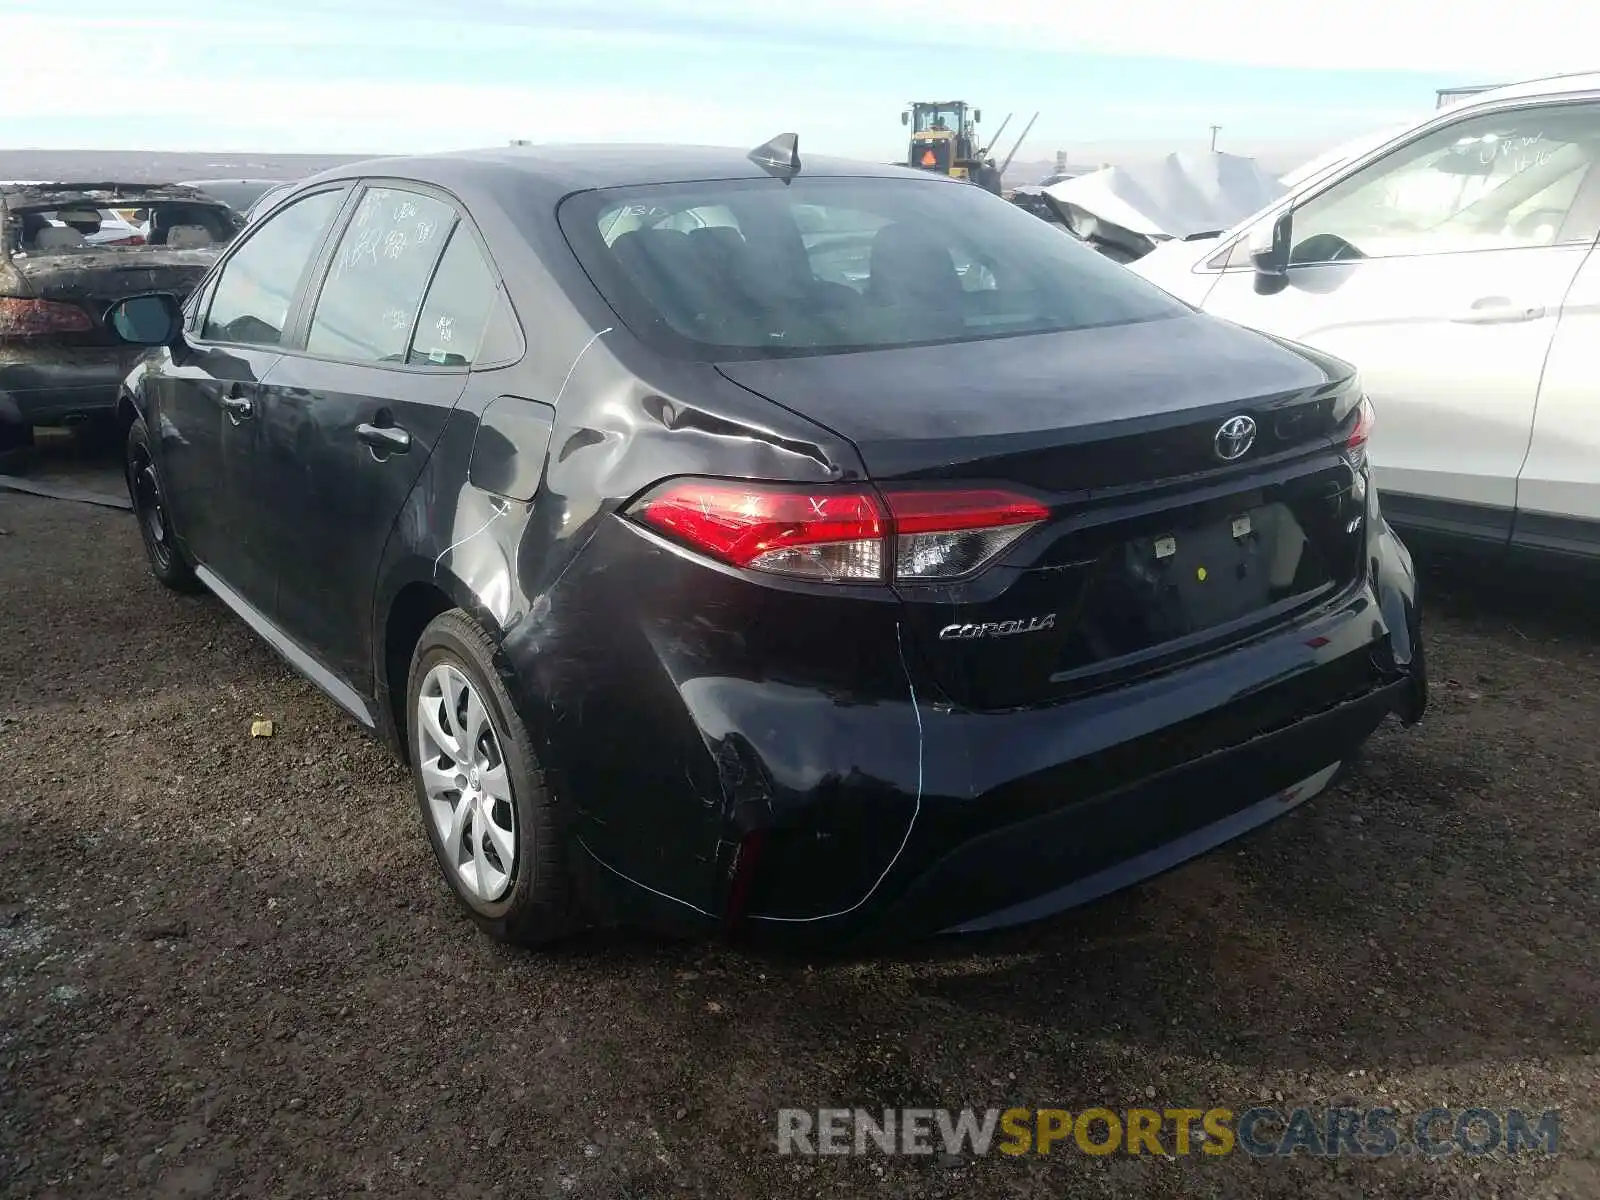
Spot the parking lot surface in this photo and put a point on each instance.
(228, 967)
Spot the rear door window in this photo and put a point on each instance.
(369, 301)
(457, 308)
(252, 297)
(755, 268)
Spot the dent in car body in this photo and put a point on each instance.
(578, 600)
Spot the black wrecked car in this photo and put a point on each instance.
(67, 251)
(710, 577)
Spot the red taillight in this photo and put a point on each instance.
(822, 535)
(134, 240)
(1363, 430)
(840, 535)
(39, 318)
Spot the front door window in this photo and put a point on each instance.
(1496, 181)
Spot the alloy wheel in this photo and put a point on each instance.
(464, 775)
(151, 513)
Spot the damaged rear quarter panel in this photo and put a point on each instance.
(686, 703)
(629, 660)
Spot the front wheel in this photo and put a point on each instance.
(167, 562)
(491, 821)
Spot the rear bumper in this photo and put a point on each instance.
(1035, 868)
(922, 818)
(49, 384)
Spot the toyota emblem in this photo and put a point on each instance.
(1235, 438)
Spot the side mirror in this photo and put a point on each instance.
(149, 320)
(977, 116)
(1269, 245)
(905, 118)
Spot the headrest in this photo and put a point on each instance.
(188, 237)
(57, 237)
(907, 262)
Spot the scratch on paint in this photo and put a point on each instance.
(563, 389)
(916, 711)
(921, 749)
(500, 510)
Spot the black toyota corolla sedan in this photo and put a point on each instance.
(768, 544)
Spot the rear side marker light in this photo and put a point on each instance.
(840, 536)
(40, 318)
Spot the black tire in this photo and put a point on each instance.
(540, 903)
(166, 558)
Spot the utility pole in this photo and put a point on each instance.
(1214, 130)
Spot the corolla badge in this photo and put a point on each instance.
(1235, 437)
(994, 629)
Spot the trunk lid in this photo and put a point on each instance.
(95, 279)
(1157, 549)
(1050, 405)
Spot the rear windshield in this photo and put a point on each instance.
(757, 269)
(70, 228)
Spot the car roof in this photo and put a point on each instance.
(582, 167)
(1551, 85)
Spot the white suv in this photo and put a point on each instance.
(1453, 264)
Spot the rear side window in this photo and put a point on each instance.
(251, 300)
(369, 301)
(752, 268)
(456, 311)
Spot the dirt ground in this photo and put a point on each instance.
(228, 968)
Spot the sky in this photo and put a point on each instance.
(386, 76)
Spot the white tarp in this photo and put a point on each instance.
(1182, 194)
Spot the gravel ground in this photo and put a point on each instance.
(227, 967)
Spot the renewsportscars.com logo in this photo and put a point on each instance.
(1263, 1132)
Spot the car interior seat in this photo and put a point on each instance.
(662, 265)
(189, 237)
(58, 237)
(911, 267)
(723, 248)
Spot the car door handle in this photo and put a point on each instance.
(237, 404)
(1497, 310)
(390, 439)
